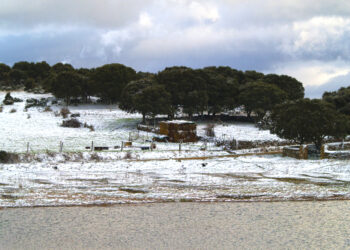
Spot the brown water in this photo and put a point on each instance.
(255, 225)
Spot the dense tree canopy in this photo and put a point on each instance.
(67, 84)
(109, 81)
(147, 97)
(340, 99)
(292, 87)
(187, 88)
(190, 91)
(260, 97)
(223, 89)
(4, 71)
(307, 121)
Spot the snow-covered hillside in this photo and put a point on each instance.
(49, 178)
(112, 126)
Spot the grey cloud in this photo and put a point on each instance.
(153, 34)
(332, 85)
(22, 14)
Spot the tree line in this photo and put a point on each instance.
(208, 90)
(278, 99)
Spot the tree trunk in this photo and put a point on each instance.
(249, 113)
(143, 118)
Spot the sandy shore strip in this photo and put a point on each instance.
(238, 225)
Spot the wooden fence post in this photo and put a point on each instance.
(322, 153)
(27, 147)
(61, 146)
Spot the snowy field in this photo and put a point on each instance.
(264, 178)
(49, 178)
(112, 126)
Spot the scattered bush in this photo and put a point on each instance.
(64, 112)
(91, 127)
(57, 114)
(95, 157)
(128, 156)
(32, 102)
(50, 153)
(75, 115)
(8, 99)
(13, 111)
(72, 123)
(209, 130)
(28, 116)
(47, 109)
(6, 157)
(1, 109)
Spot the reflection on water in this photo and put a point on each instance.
(247, 225)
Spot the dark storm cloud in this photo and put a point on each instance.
(306, 39)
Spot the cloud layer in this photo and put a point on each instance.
(306, 39)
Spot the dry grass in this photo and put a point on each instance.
(48, 109)
(64, 112)
(72, 123)
(13, 111)
(128, 156)
(95, 157)
(91, 127)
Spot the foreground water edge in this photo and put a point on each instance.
(253, 225)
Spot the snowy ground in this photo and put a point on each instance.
(112, 126)
(266, 178)
(107, 177)
(239, 131)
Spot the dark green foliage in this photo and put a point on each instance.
(223, 88)
(340, 99)
(252, 76)
(194, 92)
(147, 97)
(8, 99)
(72, 123)
(260, 97)
(109, 81)
(4, 71)
(306, 121)
(187, 87)
(32, 102)
(17, 76)
(60, 67)
(293, 88)
(6, 157)
(67, 84)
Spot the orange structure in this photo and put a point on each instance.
(179, 131)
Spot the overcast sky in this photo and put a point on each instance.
(307, 39)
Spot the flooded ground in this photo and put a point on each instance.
(238, 225)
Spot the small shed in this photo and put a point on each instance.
(179, 130)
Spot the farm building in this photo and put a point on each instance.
(178, 130)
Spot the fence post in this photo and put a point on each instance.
(121, 148)
(322, 154)
(92, 146)
(180, 146)
(27, 147)
(61, 146)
